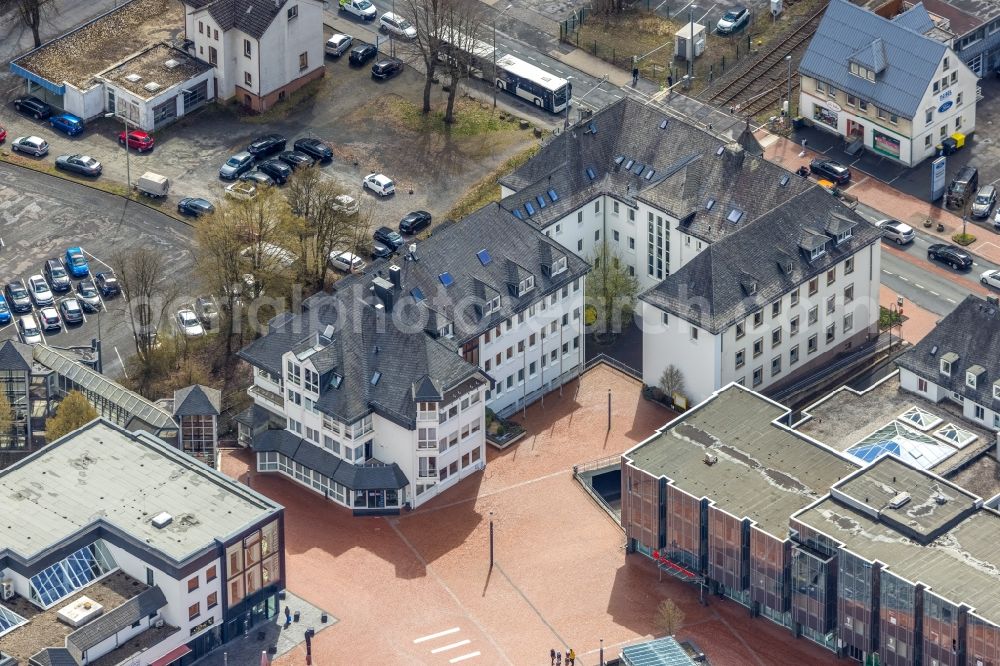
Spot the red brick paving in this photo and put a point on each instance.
(561, 577)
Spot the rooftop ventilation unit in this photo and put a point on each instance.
(710, 459)
(173, 63)
(133, 78)
(152, 86)
(940, 499)
(162, 519)
(899, 500)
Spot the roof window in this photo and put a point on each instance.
(638, 169)
(517, 213)
(484, 257)
(735, 215)
(541, 201)
(663, 124)
(720, 150)
(418, 295)
(709, 204)
(590, 173)
(446, 279)
(528, 207)
(553, 196)
(649, 174)
(628, 165)
(619, 159)
(784, 180)
(375, 377)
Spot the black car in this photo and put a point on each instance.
(380, 251)
(71, 310)
(315, 149)
(831, 170)
(362, 53)
(277, 170)
(194, 206)
(257, 178)
(265, 146)
(33, 106)
(17, 297)
(952, 255)
(386, 69)
(414, 222)
(107, 284)
(56, 275)
(387, 236)
(295, 159)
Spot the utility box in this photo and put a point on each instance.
(689, 41)
(776, 8)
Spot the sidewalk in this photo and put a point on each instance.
(917, 323)
(885, 198)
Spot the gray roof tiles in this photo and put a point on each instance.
(253, 17)
(15, 356)
(911, 59)
(197, 400)
(142, 605)
(915, 18)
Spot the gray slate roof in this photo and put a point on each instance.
(915, 18)
(355, 477)
(972, 332)
(690, 166)
(253, 17)
(15, 356)
(143, 604)
(197, 400)
(849, 32)
(53, 656)
(711, 289)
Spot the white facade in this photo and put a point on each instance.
(985, 415)
(154, 112)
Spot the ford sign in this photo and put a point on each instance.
(944, 107)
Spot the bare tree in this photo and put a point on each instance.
(428, 19)
(148, 295)
(669, 617)
(463, 21)
(31, 13)
(217, 260)
(672, 381)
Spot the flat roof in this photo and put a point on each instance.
(81, 54)
(103, 472)
(764, 471)
(155, 70)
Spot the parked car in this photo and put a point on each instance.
(278, 171)
(345, 203)
(414, 222)
(33, 106)
(361, 54)
(107, 284)
(17, 296)
(71, 310)
(39, 290)
(897, 231)
(56, 275)
(76, 262)
(28, 328)
(985, 199)
(257, 178)
(90, 298)
(990, 278)
(952, 255)
(236, 166)
(188, 323)
(831, 170)
(346, 262)
(389, 237)
(84, 165)
(3, 134)
(5, 315)
(314, 148)
(965, 182)
(380, 184)
(137, 139)
(67, 123)
(31, 145)
(295, 159)
(386, 69)
(380, 251)
(733, 20)
(207, 310)
(397, 25)
(48, 317)
(242, 190)
(361, 8)
(267, 145)
(338, 44)
(195, 206)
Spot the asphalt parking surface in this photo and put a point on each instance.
(42, 216)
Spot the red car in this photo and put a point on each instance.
(137, 139)
(3, 134)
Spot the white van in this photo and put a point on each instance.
(346, 262)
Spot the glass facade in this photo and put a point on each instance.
(643, 509)
(770, 575)
(982, 641)
(253, 563)
(14, 385)
(855, 599)
(814, 591)
(940, 631)
(897, 626)
(66, 576)
(726, 565)
(685, 536)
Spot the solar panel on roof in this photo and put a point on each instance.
(418, 294)
(541, 200)
(590, 173)
(528, 207)
(553, 196)
(517, 214)
(446, 279)
(484, 257)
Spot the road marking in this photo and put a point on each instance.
(660, 5)
(904, 279)
(124, 372)
(452, 646)
(706, 13)
(464, 657)
(431, 637)
(887, 272)
(935, 293)
(919, 286)
(678, 12)
(950, 300)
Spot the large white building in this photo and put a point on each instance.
(146, 556)
(715, 235)
(379, 391)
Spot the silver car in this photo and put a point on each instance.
(985, 199)
(338, 44)
(31, 145)
(897, 231)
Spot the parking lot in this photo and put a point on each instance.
(42, 216)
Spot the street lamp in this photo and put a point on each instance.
(128, 167)
(788, 59)
(495, 19)
(691, 45)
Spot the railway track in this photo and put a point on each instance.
(762, 84)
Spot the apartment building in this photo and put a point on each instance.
(883, 563)
(959, 361)
(144, 555)
(382, 386)
(885, 86)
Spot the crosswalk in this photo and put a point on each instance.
(446, 643)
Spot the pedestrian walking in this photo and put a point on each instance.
(552, 657)
(558, 658)
(570, 657)
(635, 76)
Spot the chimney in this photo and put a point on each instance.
(396, 276)
(384, 291)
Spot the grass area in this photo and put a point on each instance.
(964, 239)
(487, 189)
(472, 118)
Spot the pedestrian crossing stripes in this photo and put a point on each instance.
(446, 650)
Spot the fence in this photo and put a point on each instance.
(614, 363)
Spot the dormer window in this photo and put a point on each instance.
(841, 237)
(558, 266)
(862, 71)
(447, 330)
(817, 252)
(996, 390)
(970, 380)
(946, 367)
(491, 306)
(526, 285)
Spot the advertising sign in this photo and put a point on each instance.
(885, 144)
(944, 107)
(937, 177)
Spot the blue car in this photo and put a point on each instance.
(68, 123)
(76, 262)
(5, 316)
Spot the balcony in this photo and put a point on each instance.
(271, 398)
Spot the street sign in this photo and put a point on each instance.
(938, 177)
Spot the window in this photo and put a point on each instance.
(597, 206)
(579, 245)
(192, 584)
(943, 131)
(579, 217)
(215, 34)
(922, 385)
(758, 319)
(793, 326)
(954, 78)
(820, 86)
(194, 610)
(694, 333)
(201, 28)
(811, 344)
(741, 330)
(293, 12)
(303, 60)
(615, 233)
(831, 92)
(831, 333)
(927, 141)
(831, 304)
(213, 56)
(775, 309)
(848, 294)
(794, 296)
(849, 266)
(775, 365)
(631, 242)
(813, 286)
(758, 347)
(851, 99)
(631, 215)
(863, 105)
(945, 367)
(614, 206)
(740, 359)
(793, 355)
(848, 322)
(879, 113)
(944, 66)
(970, 381)
(758, 376)
(979, 412)
(775, 337)
(937, 87)
(813, 315)
(929, 113)
(247, 78)
(247, 48)
(597, 235)
(958, 100)
(831, 276)
(211, 574)
(958, 122)
(212, 601)
(893, 118)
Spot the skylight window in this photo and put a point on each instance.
(517, 214)
(553, 196)
(590, 173)
(663, 124)
(628, 165)
(592, 127)
(375, 377)
(336, 380)
(619, 159)
(784, 180)
(418, 295)
(720, 150)
(528, 207)
(709, 204)
(638, 169)
(735, 215)
(446, 279)
(541, 201)
(484, 257)
(649, 174)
